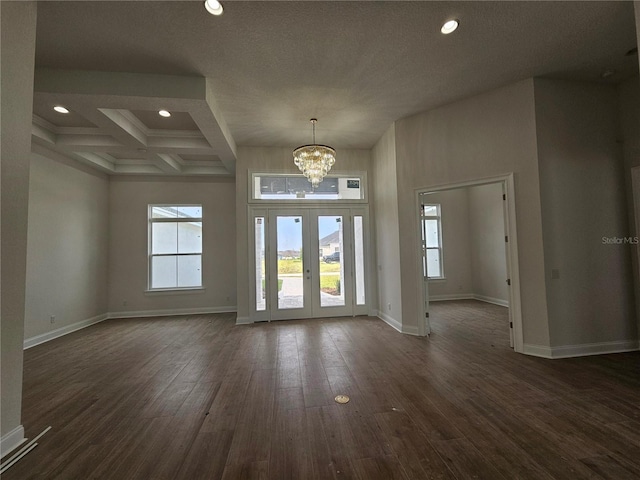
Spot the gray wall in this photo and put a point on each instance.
(484, 136)
(385, 202)
(488, 255)
(67, 246)
(629, 106)
(583, 200)
(17, 55)
(128, 247)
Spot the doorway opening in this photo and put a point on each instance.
(308, 263)
(468, 253)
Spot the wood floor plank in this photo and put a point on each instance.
(196, 397)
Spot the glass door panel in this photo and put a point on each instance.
(289, 249)
(308, 263)
(331, 260)
(359, 259)
(260, 263)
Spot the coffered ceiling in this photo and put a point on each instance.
(255, 75)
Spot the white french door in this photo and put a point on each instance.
(308, 263)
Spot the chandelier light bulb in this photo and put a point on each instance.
(314, 161)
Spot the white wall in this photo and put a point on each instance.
(275, 160)
(17, 56)
(385, 202)
(454, 210)
(128, 248)
(629, 107)
(487, 245)
(488, 135)
(67, 248)
(583, 200)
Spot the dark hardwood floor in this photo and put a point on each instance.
(196, 397)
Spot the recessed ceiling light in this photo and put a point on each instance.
(164, 113)
(60, 109)
(449, 26)
(214, 7)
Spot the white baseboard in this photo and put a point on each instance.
(468, 296)
(172, 312)
(495, 301)
(59, 332)
(407, 330)
(567, 351)
(12, 440)
(396, 325)
(537, 350)
(389, 320)
(583, 350)
(243, 321)
(451, 296)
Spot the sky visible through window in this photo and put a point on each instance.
(290, 233)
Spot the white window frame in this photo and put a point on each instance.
(361, 176)
(151, 255)
(439, 248)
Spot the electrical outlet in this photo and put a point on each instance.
(124, 303)
(228, 299)
(52, 319)
(389, 306)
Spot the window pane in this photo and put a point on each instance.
(297, 187)
(189, 274)
(261, 301)
(430, 210)
(164, 237)
(163, 272)
(358, 235)
(190, 237)
(331, 260)
(164, 212)
(289, 248)
(194, 211)
(431, 227)
(433, 263)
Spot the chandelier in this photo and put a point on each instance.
(314, 161)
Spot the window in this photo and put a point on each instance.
(432, 241)
(280, 187)
(175, 246)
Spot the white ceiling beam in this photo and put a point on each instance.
(71, 142)
(97, 160)
(107, 99)
(129, 132)
(167, 163)
(46, 136)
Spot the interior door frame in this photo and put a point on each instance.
(511, 246)
(348, 210)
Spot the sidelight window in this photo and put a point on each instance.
(432, 241)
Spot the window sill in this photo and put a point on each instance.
(174, 291)
(438, 279)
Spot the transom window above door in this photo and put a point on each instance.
(280, 187)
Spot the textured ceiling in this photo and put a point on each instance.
(356, 66)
